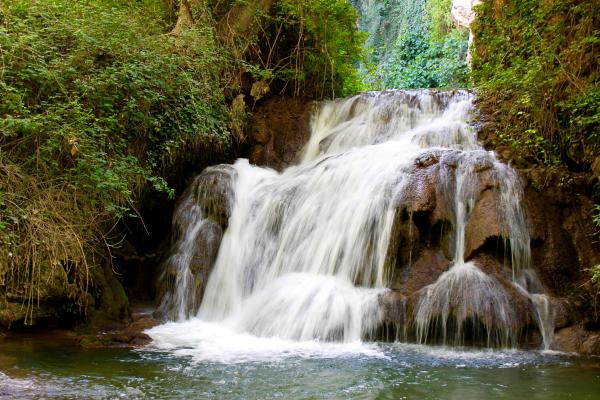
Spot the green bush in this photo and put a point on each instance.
(420, 61)
(535, 66)
(98, 96)
(96, 100)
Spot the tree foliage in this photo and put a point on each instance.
(96, 99)
(302, 48)
(413, 44)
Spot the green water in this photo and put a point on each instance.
(51, 368)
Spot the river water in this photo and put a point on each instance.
(252, 368)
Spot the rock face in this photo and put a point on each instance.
(578, 340)
(422, 243)
(279, 129)
(422, 250)
(201, 216)
(561, 250)
(463, 13)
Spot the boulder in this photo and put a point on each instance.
(576, 339)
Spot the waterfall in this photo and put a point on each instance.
(305, 251)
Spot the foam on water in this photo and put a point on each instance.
(223, 343)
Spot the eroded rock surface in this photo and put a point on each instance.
(422, 244)
(201, 216)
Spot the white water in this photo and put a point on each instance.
(219, 342)
(464, 294)
(303, 257)
(189, 220)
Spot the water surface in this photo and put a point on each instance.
(34, 367)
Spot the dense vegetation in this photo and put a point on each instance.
(96, 99)
(535, 65)
(101, 98)
(413, 44)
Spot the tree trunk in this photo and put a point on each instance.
(185, 20)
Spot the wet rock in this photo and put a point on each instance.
(423, 271)
(404, 240)
(201, 216)
(205, 254)
(488, 263)
(213, 190)
(561, 247)
(451, 158)
(419, 193)
(482, 161)
(483, 223)
(427, 159)
(204, 249)
(466, 305)
(120, 335)
(562, 312)
(393, 306)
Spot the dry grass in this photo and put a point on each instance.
(49, 240)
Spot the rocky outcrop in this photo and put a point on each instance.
(279, 128)
(463, 14)
(55, 309)
(422, 247)
(422, 243)
(577, 339)
(201, 216)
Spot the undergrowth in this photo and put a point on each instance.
(296, 47)
(535, 67)
(96, 101)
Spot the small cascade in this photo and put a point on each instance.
(465, 301)
(182, 298)
(545, 318)
(308, 253)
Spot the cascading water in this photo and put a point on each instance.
(304, 255)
